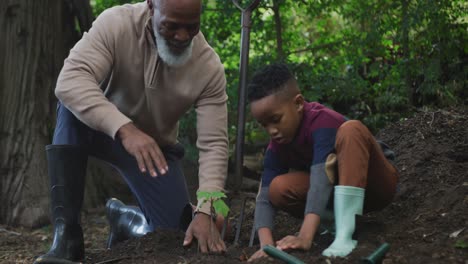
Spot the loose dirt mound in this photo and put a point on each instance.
(422, 225)
(427, 222)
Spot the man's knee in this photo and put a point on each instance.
(69, 130)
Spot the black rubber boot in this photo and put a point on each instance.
(67, 170)
(125, 222)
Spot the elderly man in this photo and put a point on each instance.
(121, 92)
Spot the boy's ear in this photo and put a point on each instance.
(299, 102)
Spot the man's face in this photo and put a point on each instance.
(280, 116)
(175, 23)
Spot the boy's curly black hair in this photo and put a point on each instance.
(268, 80)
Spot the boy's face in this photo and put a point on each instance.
(280, 116)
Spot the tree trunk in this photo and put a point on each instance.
(34, 45)
(36, 38)
(278, 28)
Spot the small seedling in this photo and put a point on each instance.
(218, 206)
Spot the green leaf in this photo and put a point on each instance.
(221, 207)
(461, 244)
(211, 195)
(217, 202)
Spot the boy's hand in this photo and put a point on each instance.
(294, 242)
(205, 231)
(258, 255)
(306, 235)
(266, 238)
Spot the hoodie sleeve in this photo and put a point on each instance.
(321, 186)
(264, 211)
(89, 63)
(212, 136)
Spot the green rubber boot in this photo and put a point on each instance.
(349, 202)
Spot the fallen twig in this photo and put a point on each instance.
(456, 233)
(419, 215)
(10, 232)
(428, 235)
(432, 120)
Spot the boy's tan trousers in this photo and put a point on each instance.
(361, 163)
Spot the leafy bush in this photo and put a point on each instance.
(373, 60)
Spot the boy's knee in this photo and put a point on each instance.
(277, 191)
(351, 129)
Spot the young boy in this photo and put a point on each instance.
(314, 152)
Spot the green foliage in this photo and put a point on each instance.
(373, 60)
(216, 199)
(101, 5)
(461, 244)
(187, 135)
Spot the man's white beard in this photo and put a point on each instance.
(166, 54)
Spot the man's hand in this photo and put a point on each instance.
(204, 230)
(144, 148)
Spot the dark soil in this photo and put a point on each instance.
(426, 223)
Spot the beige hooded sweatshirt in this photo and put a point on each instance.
(113, 76)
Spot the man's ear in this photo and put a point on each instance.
(150, 5)
(299, 102)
